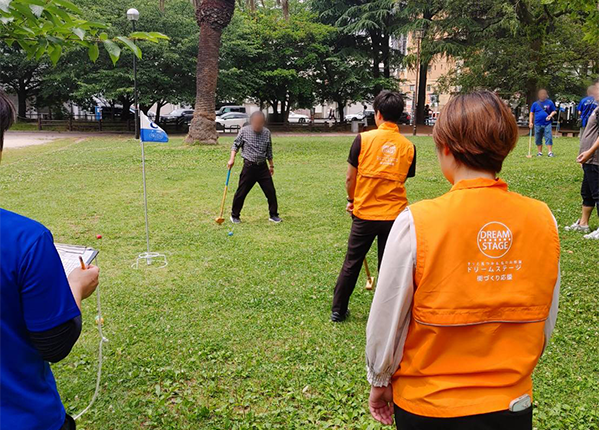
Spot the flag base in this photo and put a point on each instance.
(150, 258)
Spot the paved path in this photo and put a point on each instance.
(20, 139)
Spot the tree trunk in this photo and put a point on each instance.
(22, 100)
(285, 8)
(386, 57)
(422, 84)
(158, 108)
(212, 17)
(22, 105)
(341, 109)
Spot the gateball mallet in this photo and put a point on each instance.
(220, 218)
(529, 144)
(369, 278)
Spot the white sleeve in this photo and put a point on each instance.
(552, 318)
(392, 304)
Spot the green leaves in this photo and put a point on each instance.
(48, 27)
(132, 46)
(93, 52)
(113, 50)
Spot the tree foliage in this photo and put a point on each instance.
(46, 27)
(524, 45)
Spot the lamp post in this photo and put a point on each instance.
(419, 33)
(133, 16)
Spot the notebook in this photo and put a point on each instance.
(69, 255)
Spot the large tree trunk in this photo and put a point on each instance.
(422, 84)
(212, 17)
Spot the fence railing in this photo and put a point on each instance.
(128, 126)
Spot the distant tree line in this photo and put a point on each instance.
(291, 54)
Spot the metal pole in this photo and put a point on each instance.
(136, 107)
(415, 103)
(143, 170)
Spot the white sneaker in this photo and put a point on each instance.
(577, 228)
(593, 235)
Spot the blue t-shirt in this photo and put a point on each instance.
(34, 296)
(542, 109)
(586, 108)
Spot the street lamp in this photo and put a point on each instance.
(133, 16)
(419, 33)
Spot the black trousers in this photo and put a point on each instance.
(590, 186)
(503, 420)
(250, 174)
(363, 233)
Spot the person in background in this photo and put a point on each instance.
(40, 316)
(541, 114)
(465, 303)
(589, 159)
(255, 143)
(380, 161)
(427, 112)
(587, 105)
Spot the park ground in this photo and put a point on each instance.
(235, 332)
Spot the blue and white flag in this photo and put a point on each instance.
(149, 131)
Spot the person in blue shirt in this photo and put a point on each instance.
(541, 114)
(586, 106)
(40, 316)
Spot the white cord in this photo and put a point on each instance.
(99, 322)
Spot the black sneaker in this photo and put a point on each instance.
(337, 317)
(235, 220)
(275, 219)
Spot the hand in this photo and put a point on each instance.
(231, 163)
(583, 157)
(381, 404)
(83, 282)
(530, 125)
(350, 207)
(271, 169)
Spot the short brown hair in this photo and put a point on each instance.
(7, 116)
(478, 129)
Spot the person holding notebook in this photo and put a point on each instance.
(40, 316)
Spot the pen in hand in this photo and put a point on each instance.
(82, 263)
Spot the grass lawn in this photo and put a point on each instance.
(235, 332)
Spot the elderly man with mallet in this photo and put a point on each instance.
(255, 143)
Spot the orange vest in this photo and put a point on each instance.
(383, 166)
(486, 267)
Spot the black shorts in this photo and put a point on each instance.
(590, 186)
(502, 420)
(69, 423)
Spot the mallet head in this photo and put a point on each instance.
(220, 220)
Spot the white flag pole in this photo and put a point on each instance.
(143, 170)
(148, 256)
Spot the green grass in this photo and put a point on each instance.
(234, 333)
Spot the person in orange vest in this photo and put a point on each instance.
(465, 302)
(380, 161)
